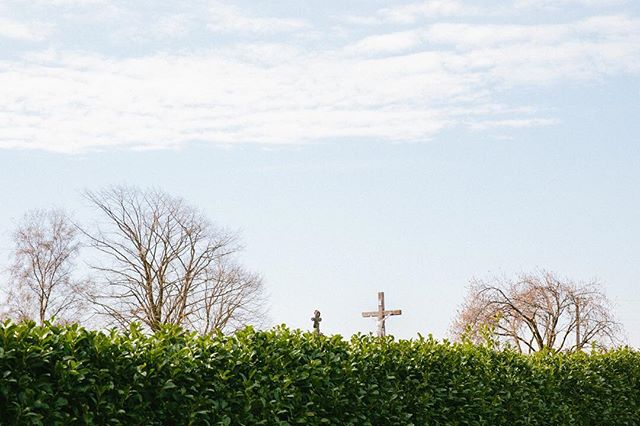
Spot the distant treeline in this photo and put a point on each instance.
(58, 374)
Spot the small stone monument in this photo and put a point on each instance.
(316, 321)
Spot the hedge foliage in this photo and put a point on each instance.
(69, 375)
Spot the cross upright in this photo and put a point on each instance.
(381, 315)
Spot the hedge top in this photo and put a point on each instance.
(70, 375)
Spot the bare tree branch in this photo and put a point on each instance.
(166, 264)
(539, 311)
(41, 282)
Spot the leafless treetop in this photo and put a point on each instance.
(41, 282)
(165, 263)
(537, 311)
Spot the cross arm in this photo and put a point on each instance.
(384, 313)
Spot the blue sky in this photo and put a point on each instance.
(358, 146)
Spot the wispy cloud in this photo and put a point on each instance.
(174, 25)
(71, 103)
(225, 17)
(410, 13)
(513, 123)
(413, 12)
(404, 85)
(559, 4)
(72, 2)
(596, 29)
(387, 43)
(33, 31)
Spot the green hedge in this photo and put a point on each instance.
(69, 375)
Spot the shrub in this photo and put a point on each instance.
(70, 375)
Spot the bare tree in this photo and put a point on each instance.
(232, 297)
(536, 312)
(166, 264)
(41, 282)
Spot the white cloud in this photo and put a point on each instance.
(560, 4)
(174, 25)
(270, 93)
(512, 123)
(359, 20)
(533, 54)
(393, 42)
(228, 18)
(70, 103)
(412, 12)
(147, 30)
(433, 10)
(396, 86)
(480, 35)
(72, 2)
(34, 31)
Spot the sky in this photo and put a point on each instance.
(357, 147)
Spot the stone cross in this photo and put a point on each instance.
(381, 315)
(316, 321)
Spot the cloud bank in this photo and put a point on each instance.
(384, 82)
